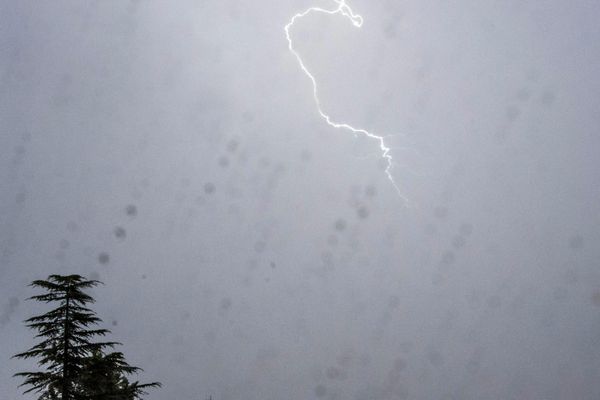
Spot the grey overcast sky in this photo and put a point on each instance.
(250, 251)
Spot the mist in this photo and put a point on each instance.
(251, 251)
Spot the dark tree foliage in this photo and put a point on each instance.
(75, 366)
(104, 378)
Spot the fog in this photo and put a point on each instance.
(250, 251)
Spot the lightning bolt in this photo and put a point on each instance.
(356, 20)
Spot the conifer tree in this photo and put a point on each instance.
(104, 377)
(75, 366)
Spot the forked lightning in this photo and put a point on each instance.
(356, 20)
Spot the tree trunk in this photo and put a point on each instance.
(66, 339)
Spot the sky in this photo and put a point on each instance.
(173, 150)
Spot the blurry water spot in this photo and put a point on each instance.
(273, 265)
(346, 358)
(523, 94)
(547, 98)
(364, 359)
(571, 277)
(232, 145)
(60, 255)
(131, 210)
(260, 246)
(512, 113)
(103, 258)
(474, 361)
(448, 257)
(114, 322)
(399, 364)
(332, 240)
(8, 310)
(406, 347)
(363, 212)
(389, 30)
(435, 358)
(596, 298)
(334, 373)
(210, 337)
(247, 116)
(340, 225)
(437, 279)
(253, 263)
(394, 302)
(576, 242)
(494, 302)
(64, 244)
(430, 229)
(209, 188)
(13, 302)
(440, 212)
(327, 257)
(305, 155)
(458, 242)
(533, 75)
(370, 191)
(320, 391)
(120, 232)
(20, 197)
(560, 293)
(264, 162)
(466, 229)
(225, 304)
(72, 226)
(223, 161)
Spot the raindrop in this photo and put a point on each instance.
(120, 232)
(260, 246)
(370, 191)
(596, 298)
(576, 242)
(225, 304)
(399, 364)
(548, 98)
(209, 188)
(232, 145)
(466, 229)
(340, 225)
(458, 242)
(512, 112)
(13, 302)
(320, 391)
(103, 258)
(440, 212)
(363, 212)
(448, 257)
(435, 358)
(305, 155)
(131, 210)
(223, 161)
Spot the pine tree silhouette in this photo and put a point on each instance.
(75, 367)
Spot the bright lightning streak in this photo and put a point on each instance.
(356, 20)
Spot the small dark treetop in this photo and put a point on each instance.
(75, 367)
